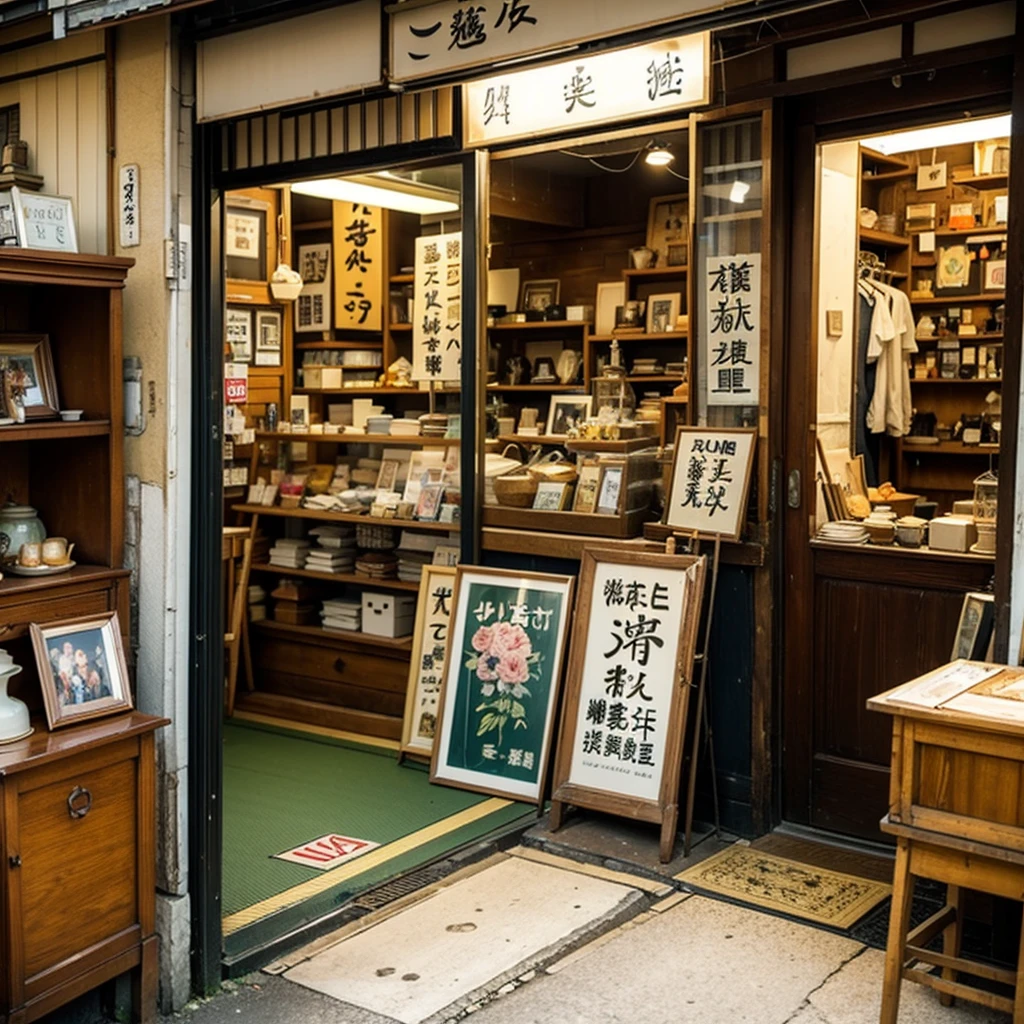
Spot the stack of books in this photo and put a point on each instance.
(414, 552)
(377, 565)
(289, 554)
(322, 560)
(645, 367)
(342, 614)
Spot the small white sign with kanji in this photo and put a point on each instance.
(732, 329)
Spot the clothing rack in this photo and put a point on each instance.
(869, 265)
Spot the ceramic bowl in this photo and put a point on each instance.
(71, 415)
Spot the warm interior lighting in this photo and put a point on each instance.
(940, 135)
(738, 192)
(658, 155)
(383, 190)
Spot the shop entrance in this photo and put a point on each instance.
(904, 279)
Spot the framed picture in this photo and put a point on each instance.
(538, 295)
(502, 673)
(552, 497)
(421, 462)
(245, 240)
(387, 477)
(974, 631)
(44, 222)
(8, 220)
(609, 494)
(586, 489)
(711, 470)
(269, 329)
(313, 306)
(29, 379)
(568, 411)
(238, 334)
(621, 742)
(668, 229)
(426, 668)
(428, 504)
(81, 668)
(610, 295)
(662, 313)
(995, 275)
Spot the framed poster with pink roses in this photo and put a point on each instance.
(502, 677)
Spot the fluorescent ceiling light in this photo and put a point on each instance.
(738, 192)
(384, 190)
(658, 155)
(940, 135)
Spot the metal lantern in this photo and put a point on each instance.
(986, 503)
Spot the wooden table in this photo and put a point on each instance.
(956, 808)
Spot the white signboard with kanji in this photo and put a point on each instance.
(710, 479)
(732, 329)
(641, 81)
(437, 308)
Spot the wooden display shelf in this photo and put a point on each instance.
(336, 577)
(998, 230)
(656, 378)
(956, 380)
(313, 225)
(959, 300)
(983, 181)
(629, 524)
(361, 639)
(679, 271)
(36, 430)
(357, 392)
(344, 517)
(995, 338)
(884, 238)
(393, 328)
(575, 444)
(540, 325)
(948, 448)
(539, 388)
(402, 279)
(889, 176)
(873, 156)
(335, 346)
(662, 336)
(395, 442)
(11, 586)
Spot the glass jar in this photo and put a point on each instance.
(19, 524)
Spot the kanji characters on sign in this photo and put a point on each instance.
(733, 290)
(437, 308)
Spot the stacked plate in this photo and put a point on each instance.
(843, 531)
(405, 428)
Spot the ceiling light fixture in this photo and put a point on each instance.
(384, 190)
(658, 154)
(738, 192)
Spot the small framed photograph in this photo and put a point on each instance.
(668, 229)
(974, 631)
(586, 489)
(566, 412)
(238, 334)
(28, 377)
(995, 275)
(428, 504)
(538, 295)
(662, 313)
(609, 495)
(610, 295)
(44, 222)
(269, 328)
(245, 240)
(450, 513)
(81, 668)
(552, 497)
(387, 478)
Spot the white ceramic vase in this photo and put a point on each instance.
(14, 720)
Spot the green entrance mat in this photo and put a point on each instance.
(283, 789)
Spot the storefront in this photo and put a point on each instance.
(582, 207)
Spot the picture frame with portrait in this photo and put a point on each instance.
(568, 411)
(663, 312)
(245, 240)
(537, 295)
(82, 669)
(27, 364)
(269, 332)
(668, 229)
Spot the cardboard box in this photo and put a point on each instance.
(321, 377)
(580, 313)
(389, 615)
(952, 533)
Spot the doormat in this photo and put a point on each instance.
(327, 852)
(787, 886)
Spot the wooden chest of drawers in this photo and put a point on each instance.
(77, 876)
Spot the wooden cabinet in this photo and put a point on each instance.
(77, 876)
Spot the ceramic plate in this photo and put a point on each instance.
(39, 570)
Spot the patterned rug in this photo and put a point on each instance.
(786, 886)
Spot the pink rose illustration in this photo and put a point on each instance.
(482, 639)
(513, 668)
(509, 639)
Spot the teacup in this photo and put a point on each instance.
(56, 550)
(30, 554)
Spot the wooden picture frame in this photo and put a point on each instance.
(30, 354)
(637, 691)
(610, 490)
(668, 229)
(82, 669)
(587, 485)
(995, 276)
(269, 337)
(688, 512)
(552, 496)
(44, 222)
(238, 340)
(578, 406)
(426, 666)
(502, 677)
(663, 312)
(246, 238)
(539, 294)
(975, 628)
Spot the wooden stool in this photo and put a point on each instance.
(961, 864)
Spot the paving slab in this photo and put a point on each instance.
(467, 936)
(702, 962)
(854, 996)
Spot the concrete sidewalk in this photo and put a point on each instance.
(688, 959)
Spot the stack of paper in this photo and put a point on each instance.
(322, 560)
(342, 614)
(289, 554)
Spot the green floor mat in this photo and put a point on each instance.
(284, 788)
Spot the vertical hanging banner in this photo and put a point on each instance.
(128, 207)
(732, 289)
(437, 308)
(313, 307)
(359, 267)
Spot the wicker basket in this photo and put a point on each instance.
(553, 469)
(515, 489)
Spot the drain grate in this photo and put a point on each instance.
(387, 893)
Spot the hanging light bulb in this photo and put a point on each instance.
(738, 192)
(658, 154)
